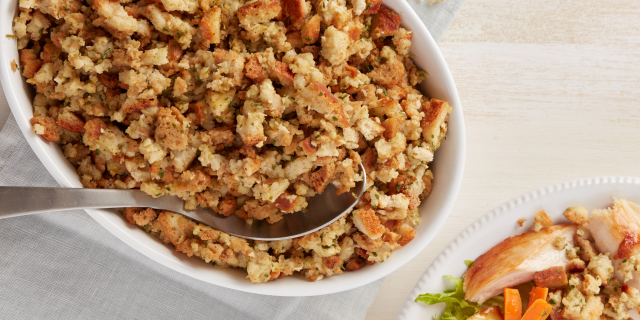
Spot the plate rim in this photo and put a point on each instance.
(498, 211)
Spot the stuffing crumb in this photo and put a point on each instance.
(601, 266)
(247, 108)
(577, 215)
(560, 243)
(521, 222)
(541, 220)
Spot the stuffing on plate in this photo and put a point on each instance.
(584, 270)
(241, 107)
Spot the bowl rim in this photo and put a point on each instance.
(355, 280)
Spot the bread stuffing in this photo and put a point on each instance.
(240, 107)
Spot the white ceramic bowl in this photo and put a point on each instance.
(448, 168)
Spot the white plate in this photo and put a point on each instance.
(500, 223)
(448, 168)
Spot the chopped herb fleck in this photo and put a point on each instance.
(106, 52)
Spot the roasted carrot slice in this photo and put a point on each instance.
(537, 293)
(539, 310)
(512, 304)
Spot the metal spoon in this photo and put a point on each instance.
(323, 209)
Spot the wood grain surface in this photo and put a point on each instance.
(550, 92)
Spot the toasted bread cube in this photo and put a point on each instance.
(321, 178)
(30, 63)
(284, 74)
(210, 26)
(258, 12)
(175, 226)
(407, 234)
(254, 69)
(385, 23)
(250, 126)
(369, 128)
(294, 9)
(70, 121)
(372, 7)
(392, 127)
(578, 215)
(434, 126)
(323, 101)
(171, 129)
(295, 39)
(290, 202)
(311, 30)
(190, 6)
(115, 17)
(552, 278)
(367, 222)
(45, 127)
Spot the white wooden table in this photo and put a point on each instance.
(550, 92)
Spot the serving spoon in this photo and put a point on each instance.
(323, 208)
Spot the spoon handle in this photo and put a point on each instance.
(18, 201)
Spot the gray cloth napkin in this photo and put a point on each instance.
(437, 17)
(64, 265)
